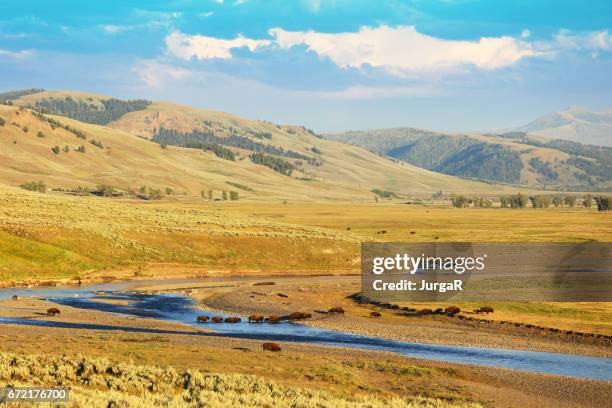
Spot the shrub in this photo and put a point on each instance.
(105, 190)
(2, 121)
(97, 143)
(459, 201)
(39, 186)
(155, 194)
(40, 134)
(81, 149)
(56, 149)
(233, 195)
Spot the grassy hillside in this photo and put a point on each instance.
(265, 161)
(515, 158)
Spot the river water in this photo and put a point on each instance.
(180, 309)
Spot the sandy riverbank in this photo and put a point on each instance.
(312, 294)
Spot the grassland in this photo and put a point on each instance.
(100, 382)
(59, 236)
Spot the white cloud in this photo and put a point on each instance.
(15, 55)
(155, 74)
(403, 49)
(207, 14)
(240, 2)
(591, 41)
(202, 47)
(525, 33)
(113, 29)
(360, 92)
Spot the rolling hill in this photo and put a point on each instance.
(576, 124)
(512, 157)
(128, 144)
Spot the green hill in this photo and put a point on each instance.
(515, 157)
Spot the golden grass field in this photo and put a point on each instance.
(57, 236)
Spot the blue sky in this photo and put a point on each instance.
(328, 64)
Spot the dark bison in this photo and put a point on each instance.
(233, 320)
(15, 297)
(375, 315)
(299, 316)
(202, 319)
(271, 347)
(337, 310)
(217, 319)
(424, 312)
(53, 311)
(438, 311)
(255, 318)
(452, 310)
(485, 309)
(273, 319)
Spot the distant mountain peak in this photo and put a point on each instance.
(576, 123)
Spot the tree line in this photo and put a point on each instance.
(521, 200)
(82, 111)
(204, 138)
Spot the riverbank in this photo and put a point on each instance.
(343, 373)
(317, 294)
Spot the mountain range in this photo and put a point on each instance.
(75, 140)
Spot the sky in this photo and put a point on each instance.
(331, 65)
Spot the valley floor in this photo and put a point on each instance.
(225, 371)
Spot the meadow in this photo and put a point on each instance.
(47, 236)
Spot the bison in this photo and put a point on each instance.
(53, 311)
(217, 319)
(271, 347)
(15, 297)
(299, 316)
(452, 310)
(375, 315)
(424, 312)
(255, 318)
(233, 320)
(485, 309)
(336, 310)
(273, 319)
(202, 319)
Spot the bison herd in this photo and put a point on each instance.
(257, 318)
